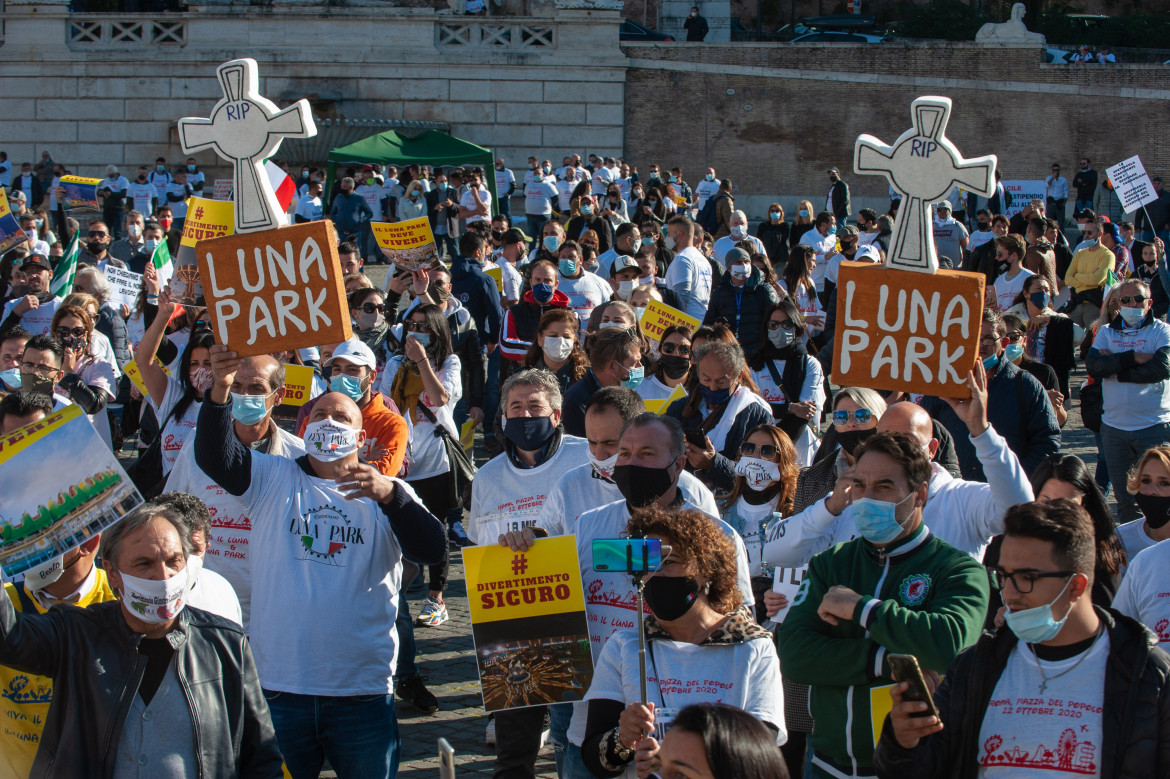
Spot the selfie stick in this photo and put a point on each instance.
(638, 587)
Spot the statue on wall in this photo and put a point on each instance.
(1011, 31)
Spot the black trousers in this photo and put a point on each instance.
(518, 742)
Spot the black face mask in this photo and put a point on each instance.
(671, 597)
(529, 433)
(984, 227)
(1155, 507)
(1002, 267)
(640, 485)
(851, 439)
(673, 366)
(95, 246)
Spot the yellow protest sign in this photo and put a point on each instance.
(207, 219)
(80, 192)
(135, 375)
(880, 705)
(659, 407)
(658, 316)
(528, 620)
(497, 274)
(298, 384)
(410, 245)
(467, 435)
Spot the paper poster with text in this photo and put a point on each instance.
(80, 192)
(658, 316)
(528, 623)
(205, 219)
(410, 245)
(1022, 193)
(70, 489)
(124, 286)
(10, 233)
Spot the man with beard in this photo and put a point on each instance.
(34, 312)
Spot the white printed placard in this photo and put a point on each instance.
(1132, 184)
(124, 286)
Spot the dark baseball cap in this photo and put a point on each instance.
(36, 260)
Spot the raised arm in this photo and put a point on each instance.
(152, 375)
(218, 452)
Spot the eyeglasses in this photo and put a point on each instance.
(65, 332)
(1135, 300)
(37, 369)
(787, 324)
(97, 234)
(989, 341)
(749, 449)
(860, 416)
(415, 327)
(682, 350)
(370, 308)
(1023, 581)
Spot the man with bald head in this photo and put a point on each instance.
(257, 389)
(334, 532)
(965, 514)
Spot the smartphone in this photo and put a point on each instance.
(446, 760)
(904, 668)
(627, 555)
(696, 438)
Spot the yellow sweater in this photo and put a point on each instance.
(25, 698)
(1089, 268)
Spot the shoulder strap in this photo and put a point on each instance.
(771, 366)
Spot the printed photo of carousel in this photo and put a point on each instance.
(533, 661)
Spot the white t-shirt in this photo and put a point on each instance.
(143, 196)
(1144, 594)
(1133, 538)
(215, 594)
(325, 587)
(653, 389)
(310, 208)
(504, 179)
(37, 321)
(813, 389)
(703, 190)
(602, 178)
(424, 450)
(178, 207)
(977, 239)
(179, 427)
(511, 280)
(822, 245)
(468, 202)
(586, 293)
(1006, 289)
(565, 194)
(1055, 734)
(504, 497)
(808, 303)
(114, 185)
(725, 244)
(372, 194)
(689, 275)
(538, 196)
(231, 526)
(1127, 405)
(101, 373)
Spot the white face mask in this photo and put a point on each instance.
(557, 348)
(134, 230)
(326, 440)
(157, 601)
(43, 575)
(669, 240)
(756, 472)
(738, 232)
(626, 288)
(604, 468)
(740, 271)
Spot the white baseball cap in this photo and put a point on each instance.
(356, 352)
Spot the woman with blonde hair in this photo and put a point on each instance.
(804, 221)
(1149, 483)
(413, 202)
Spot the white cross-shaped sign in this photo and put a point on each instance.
(924, 166)
(246, 129)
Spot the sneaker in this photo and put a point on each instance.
(412, 690)
(432, 614)
(489, 735)
(457, 536)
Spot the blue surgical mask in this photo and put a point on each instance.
(190, 168)
(990, 362)
(11, 378)
(1036, 625)
(803, 212)
(710, 177)
(1013, 352)
(1040, 299)
(551, 242)
(542, 293)
(634, 377)
(714, 397)
(423, 338)
(877, 520)
(586, 209)
(249, 409)
(350, 386)
(568, 267)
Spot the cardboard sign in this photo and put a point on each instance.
(409, 245)
(275, 290)
(298, 385)
(658, 316)
(124, 286)
(901, 330)
(1134, 188)
(1022, 193)
(787, 581)
(222, 189)
(76, 490)
(497, 274)
(135, 375)
(659, 407)
(528, 623)
(10, 233)
(80, 192)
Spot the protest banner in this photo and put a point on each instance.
(658, 316)
(906, 325)
(298, 385)
(659, 407)
(222, 189)
(80, 192)
(786, 582)
(1133, 187)
(410, 245)
(528, 623)
(11, 235)
(1022, 193)
(76, 490)
(124, 286)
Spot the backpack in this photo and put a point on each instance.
(708, 217)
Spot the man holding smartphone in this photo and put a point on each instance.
(1064, 688)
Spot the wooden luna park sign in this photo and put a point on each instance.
(906, 325)
(270, 287)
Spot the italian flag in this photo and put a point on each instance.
(161, 260)
(62, 284)
(282, 184)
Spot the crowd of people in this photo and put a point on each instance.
(253, 612)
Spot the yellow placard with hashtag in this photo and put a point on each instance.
(502, 584)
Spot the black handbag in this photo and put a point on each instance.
(463, 470)
(1092, 406)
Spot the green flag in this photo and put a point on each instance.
(161, 260)
(62, 284)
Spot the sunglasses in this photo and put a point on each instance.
(65, 332)
(95, 234)
(860, 416)
(787, 324)
(415, 327)
(1135, 300)
(682, 350)
(200, 324)
(749, 449)
(370, 308)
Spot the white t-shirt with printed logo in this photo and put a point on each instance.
(425, 451)
(822, 245)
(177, 429)
(538, 196)
(1133, 537)
(468, 201)
(143, 196)
(586, 292)
(1006, 289)
(691, 268)
(1056, 734)
(1144, 593)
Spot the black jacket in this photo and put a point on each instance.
(721, 475)
(1136, 720)
(575, 400)
(774, 236)
(744, 311)
(839, 194)
(696, 28)
(92, 656)
(579, 225)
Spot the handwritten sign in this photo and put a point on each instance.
(275, 290)
(528, 622)
(298, 385)
(124, 286)
(658, 316)
(410, 245)
(787, 581)
(1134, 188)
(80, 192)
(222, 189)
(10, 233)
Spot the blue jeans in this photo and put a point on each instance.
(1082, 205)
(535, 225)
(568, 757)
(1123, 448)
(357, 733)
